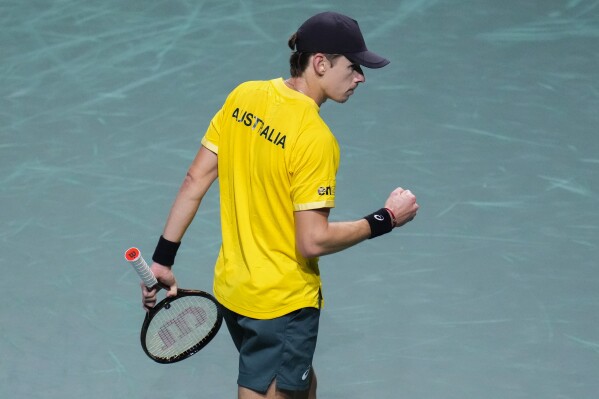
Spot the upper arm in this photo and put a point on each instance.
(202, 172)
(309, 226)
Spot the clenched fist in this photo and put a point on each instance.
(403, 205)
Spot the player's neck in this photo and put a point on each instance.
(302, 85)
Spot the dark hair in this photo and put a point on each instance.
(298, 61)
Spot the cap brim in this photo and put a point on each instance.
(367, 59)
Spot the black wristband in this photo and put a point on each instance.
(380, 222)
(165, 252)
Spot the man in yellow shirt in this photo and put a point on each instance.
(276, 162)
(275, 157)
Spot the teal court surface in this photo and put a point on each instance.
(488, 112)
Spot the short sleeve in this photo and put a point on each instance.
(212, 136)
(313, 170)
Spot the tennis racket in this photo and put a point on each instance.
(177, 327)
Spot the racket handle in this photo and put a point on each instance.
(133, 256)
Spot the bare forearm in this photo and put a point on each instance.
(181, 215)
(339, 236)
(202, 173)
(316, 236)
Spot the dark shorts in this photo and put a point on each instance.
(280, 349)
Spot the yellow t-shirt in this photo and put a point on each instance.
(275, 156)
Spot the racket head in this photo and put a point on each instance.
(180, 326)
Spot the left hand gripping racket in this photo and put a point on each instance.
(177, 327)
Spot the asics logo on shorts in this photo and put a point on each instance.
(306, 374)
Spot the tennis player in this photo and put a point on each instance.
(276, 162)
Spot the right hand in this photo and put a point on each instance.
(403, 205)
(166, 278)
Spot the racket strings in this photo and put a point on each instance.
(181, 326)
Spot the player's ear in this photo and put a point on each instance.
(319, 64)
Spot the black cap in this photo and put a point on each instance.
(334, 33)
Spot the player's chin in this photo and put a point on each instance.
(343, 98)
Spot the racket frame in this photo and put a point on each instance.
(133, 256)
(165, 304)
